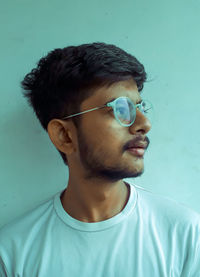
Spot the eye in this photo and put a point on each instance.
(122, 112)
(121, 109)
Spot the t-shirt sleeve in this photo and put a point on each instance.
(192, 261)
(191, 249)
(195, 267)
(3, 270)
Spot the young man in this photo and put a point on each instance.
(88, 99)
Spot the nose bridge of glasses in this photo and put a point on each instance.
(142, 117)
(140, 107)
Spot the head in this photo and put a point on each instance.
(76, 78)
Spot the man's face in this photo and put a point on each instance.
(103, 142)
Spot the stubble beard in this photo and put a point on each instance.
(95, 166)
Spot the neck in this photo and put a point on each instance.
(94, 200)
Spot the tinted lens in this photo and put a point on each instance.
(125, 111)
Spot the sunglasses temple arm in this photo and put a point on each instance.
(84, 112)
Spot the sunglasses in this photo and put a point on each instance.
(124, 110)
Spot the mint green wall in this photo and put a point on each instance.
(164, 35)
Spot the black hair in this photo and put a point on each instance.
(66, 77)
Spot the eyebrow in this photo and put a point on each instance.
(137, 102)
(110, 100)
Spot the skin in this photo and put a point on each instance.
(97, 156)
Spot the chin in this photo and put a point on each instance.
(136, 172)
(137, 165)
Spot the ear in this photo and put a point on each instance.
(60, 133)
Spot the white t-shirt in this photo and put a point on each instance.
(151, 236)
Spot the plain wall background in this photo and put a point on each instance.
(163, 35)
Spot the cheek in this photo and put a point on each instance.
(110, 140)
(104, 132)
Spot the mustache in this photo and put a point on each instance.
(137, 140)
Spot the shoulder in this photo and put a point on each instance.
(25, 233)
(27, 222)
(166, 208)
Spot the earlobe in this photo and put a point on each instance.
(60, 135)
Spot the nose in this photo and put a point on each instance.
(141, 124)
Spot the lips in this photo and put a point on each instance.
(137, 148)
(137, 151)
(139, 144)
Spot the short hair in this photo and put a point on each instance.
(65, 77)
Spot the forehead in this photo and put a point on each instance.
(104, 94)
